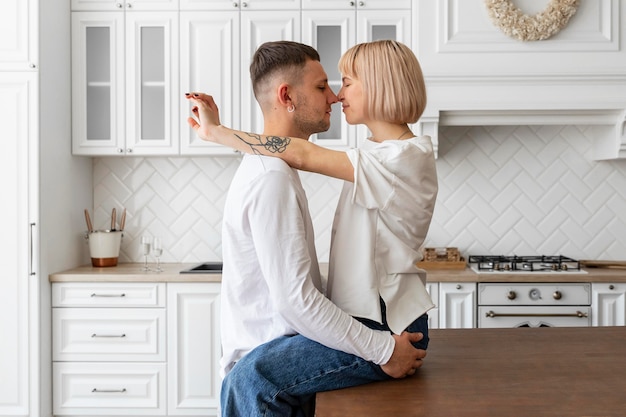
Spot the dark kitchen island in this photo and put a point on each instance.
(547, 371)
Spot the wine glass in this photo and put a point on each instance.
(146, 241)
(157, 251)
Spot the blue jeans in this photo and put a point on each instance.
(280, 378)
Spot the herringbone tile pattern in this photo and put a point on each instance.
(503, 190)
(182, 200)
(528, 190)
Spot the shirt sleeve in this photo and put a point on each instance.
(279, 232)
(391, 174)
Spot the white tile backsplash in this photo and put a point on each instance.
(503, 190)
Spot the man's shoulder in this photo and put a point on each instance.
(265, 172)
(263, 163)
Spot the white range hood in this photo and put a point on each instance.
(477, 76)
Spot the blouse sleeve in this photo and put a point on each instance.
(392, 175)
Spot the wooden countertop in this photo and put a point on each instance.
(132, 272)
(501, 372)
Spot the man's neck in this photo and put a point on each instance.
(282, 132)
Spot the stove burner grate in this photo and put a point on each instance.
(533, 263)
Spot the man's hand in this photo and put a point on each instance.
(207, 114)
(405, 359)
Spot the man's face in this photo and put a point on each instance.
(312, 99)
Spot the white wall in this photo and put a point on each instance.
(503, 190)
(65, 181)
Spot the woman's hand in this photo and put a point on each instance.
(206, 115)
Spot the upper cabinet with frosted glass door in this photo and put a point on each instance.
(333, 26)
(125, 77)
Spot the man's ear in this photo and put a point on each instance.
(284, 97)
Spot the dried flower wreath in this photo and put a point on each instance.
(514, 23)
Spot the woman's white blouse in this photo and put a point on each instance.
(380, 225)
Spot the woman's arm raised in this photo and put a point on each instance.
(297, 152)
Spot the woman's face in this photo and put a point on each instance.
(352, 100)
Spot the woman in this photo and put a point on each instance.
(388, 197)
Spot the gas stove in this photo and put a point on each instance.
(515, 264)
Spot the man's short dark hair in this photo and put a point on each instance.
(272, 57)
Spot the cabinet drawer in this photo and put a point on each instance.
(97, 389)
(108, 294)
(108, 334)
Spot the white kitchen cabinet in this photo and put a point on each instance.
(216, 48)
(433, 314)
(210, 67)
(125, 82)
(335, 29)
(109, 348)
(194, 348)
(256, 28)
(608, 304)
(136, 348)
(18, 49)
(112, 5)
(19, 241)
(356, 4)
(457, 305)
(240, 5)
(109, 389)
(104, 334)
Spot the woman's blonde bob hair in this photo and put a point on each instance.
(392, 80)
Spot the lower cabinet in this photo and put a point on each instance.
(457, 305)
(109, 388)
(608, 304)
(149, 349)
(193, 349)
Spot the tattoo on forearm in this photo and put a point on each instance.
(273, 144)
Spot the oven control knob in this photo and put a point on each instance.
(511, 295)
(534, 294)
(557, 295)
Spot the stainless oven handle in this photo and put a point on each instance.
(579, 314)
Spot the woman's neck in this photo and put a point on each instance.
(389, 131)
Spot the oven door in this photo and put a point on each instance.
(534, 316)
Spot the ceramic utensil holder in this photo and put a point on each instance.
(104, 247)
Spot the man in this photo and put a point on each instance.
(271, 281)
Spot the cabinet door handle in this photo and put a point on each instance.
(108, 295)
(578, 314)
(109, 335)
(32, 250)
(108, 390)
